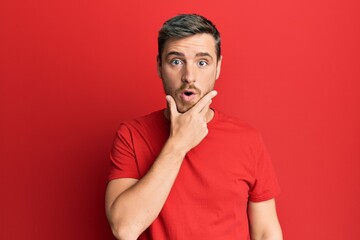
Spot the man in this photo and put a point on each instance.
(189, 171)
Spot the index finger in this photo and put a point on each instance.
(200, 105)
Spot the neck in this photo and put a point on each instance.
(209, 114)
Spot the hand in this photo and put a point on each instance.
(190, 128)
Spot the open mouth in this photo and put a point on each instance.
(188, 95)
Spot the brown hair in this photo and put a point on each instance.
(186, 25)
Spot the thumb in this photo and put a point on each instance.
(171, 105)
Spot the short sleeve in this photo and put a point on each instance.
(122, 156)
(266, 185)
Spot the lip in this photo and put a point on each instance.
(187, 98)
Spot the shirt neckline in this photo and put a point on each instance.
(209, 124)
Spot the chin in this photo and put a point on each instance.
(183, 109)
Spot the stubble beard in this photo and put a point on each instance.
(181, 106)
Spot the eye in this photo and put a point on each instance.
(176, 62)
(203, 63)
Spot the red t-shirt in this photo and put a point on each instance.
(216, 180)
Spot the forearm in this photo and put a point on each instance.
(133, 205)
(137, 207)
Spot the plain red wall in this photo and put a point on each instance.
(70, 71)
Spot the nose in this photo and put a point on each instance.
(188, 75)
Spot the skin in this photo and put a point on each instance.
(188, 64)
(263, 220)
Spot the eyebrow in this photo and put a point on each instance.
(200, 54)
(203, 54)
(175, 53)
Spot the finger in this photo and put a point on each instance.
(204, 101)
(171, 105)
(204, 110)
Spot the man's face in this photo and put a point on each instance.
(189, 68)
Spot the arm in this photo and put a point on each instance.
(264, 223)
(132, 205)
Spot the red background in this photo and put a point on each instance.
(70, 71)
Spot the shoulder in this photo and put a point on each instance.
(155, 117)
(154, 121)
(239, 131)
(225, 120)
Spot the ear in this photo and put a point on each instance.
(218, 68)
(158, 61)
